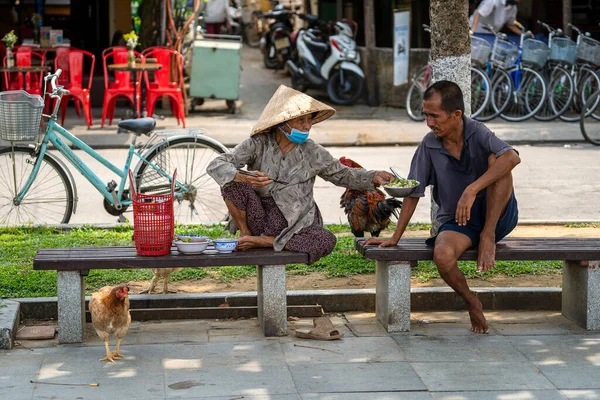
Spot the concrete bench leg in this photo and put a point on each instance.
(581, 293)
(272, 300)
(71, 307)
(392, 295)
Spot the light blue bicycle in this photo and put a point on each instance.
(36, 187)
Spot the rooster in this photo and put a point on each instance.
(367, 210)
(109, 307)
(158, 273)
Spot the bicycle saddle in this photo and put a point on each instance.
(138, 126)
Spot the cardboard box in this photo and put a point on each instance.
(45, 36)
(56, 37)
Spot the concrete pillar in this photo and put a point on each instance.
(272, 300)
(392, 295)
(71, 306)
(581, 293)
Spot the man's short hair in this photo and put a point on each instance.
(450, 93)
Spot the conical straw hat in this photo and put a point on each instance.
(287, 104)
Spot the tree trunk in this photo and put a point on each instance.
(450, 54)
(149, 13)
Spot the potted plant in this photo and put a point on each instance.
(9, 41)
(132, 41)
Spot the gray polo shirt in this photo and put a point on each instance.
(433, 165)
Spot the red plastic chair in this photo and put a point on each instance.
(162, 84)
(120, 85)
(33, 80)
(78, 93)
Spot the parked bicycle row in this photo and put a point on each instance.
(532, 79)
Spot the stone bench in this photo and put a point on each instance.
(580, 284)
(72, 265)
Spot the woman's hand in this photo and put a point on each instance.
(258, 181)
(382, 177)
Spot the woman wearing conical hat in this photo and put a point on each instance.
(277, 208)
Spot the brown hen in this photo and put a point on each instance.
(109, 307)
(367, 210)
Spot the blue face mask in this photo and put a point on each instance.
(296, 135)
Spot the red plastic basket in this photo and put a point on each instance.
(153, 221)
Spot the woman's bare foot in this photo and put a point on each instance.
(478, 321)
(486, 258)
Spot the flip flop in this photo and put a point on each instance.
(323, 330)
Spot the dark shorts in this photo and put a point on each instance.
(506, 223)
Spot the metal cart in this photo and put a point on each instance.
(216, 69)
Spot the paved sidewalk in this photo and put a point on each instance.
(528, 355)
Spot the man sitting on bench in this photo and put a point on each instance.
(461, 157)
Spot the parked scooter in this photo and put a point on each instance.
(276, 44)
(333, 65)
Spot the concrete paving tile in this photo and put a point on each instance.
(458, 348)
(428, 328)
(573, 375)
(457, 317)
(173, 332)
(367, 396)
(361, 317)
(547, 328)
(69, 360)
(501, 395)
(560, 349)
(355, 377)
(590, 394)
(244, 380)
(291, 396)
(367, 330)
(346, 350)
(450, 376)
(122, 386)
(223, 354)
(17, 368)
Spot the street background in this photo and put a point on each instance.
(557, 180)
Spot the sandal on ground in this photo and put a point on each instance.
(323, 330)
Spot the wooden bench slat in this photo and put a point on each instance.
(414, 249)
(126, 257)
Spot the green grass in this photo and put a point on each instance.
(19, 246)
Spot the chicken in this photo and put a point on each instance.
(164, 273)
(109, 307)
(367, 210)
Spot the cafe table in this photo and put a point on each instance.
(24, 69)
(134, 69)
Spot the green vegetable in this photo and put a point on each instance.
(403, 183)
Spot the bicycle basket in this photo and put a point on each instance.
(535, 53)
(563, 50)
(480, 50)
(505, 54)
(588, 50)
(20, 115)
(153, 220)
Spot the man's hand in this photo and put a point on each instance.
(463, 207)
(382, 177)
(258, 181)
(382, 242)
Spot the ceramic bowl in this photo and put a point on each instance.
(191, 247)
(225, 245)
(399, 192)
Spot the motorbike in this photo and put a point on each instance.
(275, 43)
(333, 64)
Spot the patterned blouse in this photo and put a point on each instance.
(299, 168)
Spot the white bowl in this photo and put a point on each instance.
(225, 245)
(191, 247)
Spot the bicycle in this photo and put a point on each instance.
(588, 123)
(480, 90)
(38, 188)
(524, 95)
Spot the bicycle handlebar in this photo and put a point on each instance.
(57, 91)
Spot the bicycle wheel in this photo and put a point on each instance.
(558, 97)
(590, 126)
(587, 82)
(414, 96)
(202, 202)
(501, 89)
(49, 200)
(480, 91)
(528, 94)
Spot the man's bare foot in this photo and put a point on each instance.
(486, 258)
(478, 321)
